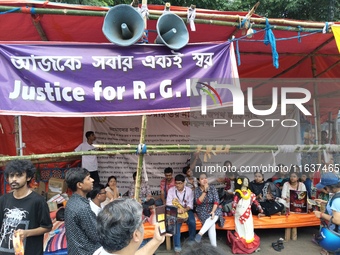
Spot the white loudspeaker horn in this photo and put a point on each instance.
(172, 31)
(123, 25)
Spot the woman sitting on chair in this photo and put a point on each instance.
(207, 209)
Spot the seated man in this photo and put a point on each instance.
(144, 195)
(166, 184)
(120, 229)
(190, 181)
(183, 198)
(96, 197)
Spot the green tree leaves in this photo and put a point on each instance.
(314, 10)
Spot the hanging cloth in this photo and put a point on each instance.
(269, 38)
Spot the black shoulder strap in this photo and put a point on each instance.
(336, 195)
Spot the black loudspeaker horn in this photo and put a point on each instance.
(172, 31)
(123, 25)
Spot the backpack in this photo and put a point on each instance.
(273, 189)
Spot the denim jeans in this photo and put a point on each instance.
(192, 231)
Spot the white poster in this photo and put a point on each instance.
(183, 128)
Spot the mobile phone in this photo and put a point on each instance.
(170, 219)
(161, 228)
(160, 218)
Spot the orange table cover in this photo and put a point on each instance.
(274, 221)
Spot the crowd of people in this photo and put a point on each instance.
(95, 237)
(99, 221)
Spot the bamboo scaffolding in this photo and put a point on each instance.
(312, 148)
(258, 26)
(294, 54)
(138, 181)
(140, 159)
(173, 149)
(201, 18)
(38, 27)
(54, 11)
(238, 18)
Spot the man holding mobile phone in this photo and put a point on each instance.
(183, 198)
(120, 230)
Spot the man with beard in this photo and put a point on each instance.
(166, 184)
(24, 215)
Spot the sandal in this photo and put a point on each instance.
(314, 240)
(276, 246)
(280, 244)
(324, 252)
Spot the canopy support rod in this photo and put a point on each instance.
(140, 164)
(202, 18)
(38, 27)
(329, 68)
(317, 121)
(18, 135)
(289, 54)
(298, 63)
(306, 57)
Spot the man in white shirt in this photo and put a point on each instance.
(185, 197)
(89, 162)
(97, 196)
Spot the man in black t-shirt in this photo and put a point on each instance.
(23, 213)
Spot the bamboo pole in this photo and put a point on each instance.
(329, 126)
(316, 108)
(298, 55)
(203, 18)
(258, 26)
(297, 63)
(236, 18)
(173, 149)
(17, 135)
(330, 67)
(140, 159)
(38, 27)
(141, 140)
(197, 148)
(54, 11)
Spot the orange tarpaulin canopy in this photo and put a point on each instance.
(313, 56)
(299, 55)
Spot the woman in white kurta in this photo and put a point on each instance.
(292, 184)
